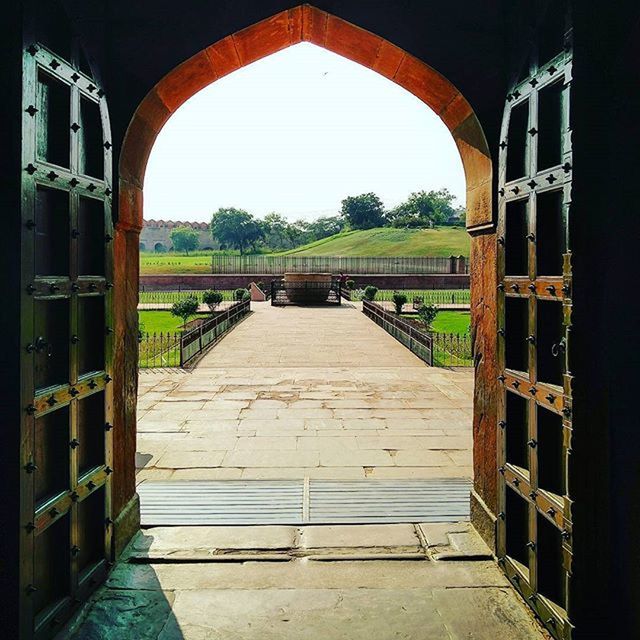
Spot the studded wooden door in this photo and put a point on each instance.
(66, 333)
(534, 324)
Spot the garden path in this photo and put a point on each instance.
(295, 392)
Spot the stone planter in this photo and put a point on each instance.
(307, 288)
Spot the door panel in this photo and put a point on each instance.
(534, 324)
(66, 321)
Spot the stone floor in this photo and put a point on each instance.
(362, 582)
(300, 392)
(294, 393)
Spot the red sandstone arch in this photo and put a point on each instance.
(304, 24)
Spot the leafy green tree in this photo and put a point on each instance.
(461, 217)
(365, 211)
(324, 227)
(424, 209)
(212, 298)
(427, 314)
(236, 228)
(276, 231)
(184, 239)
(399, 300)
(298, 233)
(185, 308)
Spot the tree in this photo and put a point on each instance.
(185, 308)
(424, 209)
(364, 211)
(325, 226)
(184, 239)
(427, 314)
(298, 233)
(236, 228)
(276, 231)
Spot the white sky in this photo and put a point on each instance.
(296, 133)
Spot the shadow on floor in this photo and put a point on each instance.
(130, 606)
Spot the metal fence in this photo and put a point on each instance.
(208, 332)
(176, 349)
(436, 349)
(169, 297)
(417, 297)
(352, 265)
(418, 342)
(452, 350)
(158, 350)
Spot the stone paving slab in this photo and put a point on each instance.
(305, 583)
(307, 600)
(326, 393)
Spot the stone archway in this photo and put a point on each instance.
(306, 24)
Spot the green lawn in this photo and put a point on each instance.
(159, 321)
(151, 263)
(387, 241)
(452, 322)
(457, 322)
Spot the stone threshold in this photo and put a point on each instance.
(435, 542)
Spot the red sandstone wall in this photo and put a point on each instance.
(173, 282)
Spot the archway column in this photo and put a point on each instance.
(125, 366)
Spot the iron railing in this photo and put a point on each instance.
(352, 265)
(305, 293)
(452, 350)
(158, 350)
(418, 297)
(169, 297)
(194, 342)
(436, 349)
(416, 341)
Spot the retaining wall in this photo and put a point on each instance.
(173, 282)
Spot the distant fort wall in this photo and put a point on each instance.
(156, 235)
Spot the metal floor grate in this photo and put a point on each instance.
(296, 502)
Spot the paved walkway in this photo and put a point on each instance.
(299, 392)
(292, 393)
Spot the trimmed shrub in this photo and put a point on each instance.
(212, 298)
(240, 293)
(399, 300)
(351, 284)
(370, 293)
(185, 308)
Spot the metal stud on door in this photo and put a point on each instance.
(66, 363)
(534, 324)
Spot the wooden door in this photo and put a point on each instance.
(534, 324)
(66, 332)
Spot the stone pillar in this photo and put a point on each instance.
(125, 369)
